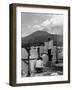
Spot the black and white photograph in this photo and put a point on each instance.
(42, 44)
(41, 41)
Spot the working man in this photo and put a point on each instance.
(39, 65)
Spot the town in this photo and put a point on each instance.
(52, 59)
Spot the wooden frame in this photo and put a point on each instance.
(13, 33)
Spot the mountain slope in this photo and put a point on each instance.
(40, 37)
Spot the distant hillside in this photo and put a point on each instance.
(41, 37)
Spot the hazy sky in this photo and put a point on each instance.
(31, 22)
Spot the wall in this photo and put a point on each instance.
(4, 45)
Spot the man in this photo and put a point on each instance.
(39, 65)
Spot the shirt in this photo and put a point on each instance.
(39, 64)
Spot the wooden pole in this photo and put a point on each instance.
(28, 49)
(38, 50)
(56, 54)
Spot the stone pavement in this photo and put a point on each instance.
(48, 71)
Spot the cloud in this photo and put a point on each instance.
(45, 23)
(37, 27)
(53, 25)
(57, 20)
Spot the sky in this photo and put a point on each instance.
(31, 22)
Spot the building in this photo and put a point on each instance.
(49, 52)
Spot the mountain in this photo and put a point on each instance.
(39, 37)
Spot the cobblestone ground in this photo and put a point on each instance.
(48, 71)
